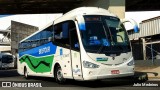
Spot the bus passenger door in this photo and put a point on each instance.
(75, 55)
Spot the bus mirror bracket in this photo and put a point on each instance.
(134, 24)
(81, 22)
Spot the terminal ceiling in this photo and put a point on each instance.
(62, 6)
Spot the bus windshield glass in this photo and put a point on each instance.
(7, 59)
(104, 34)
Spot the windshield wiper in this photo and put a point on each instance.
(101, 47)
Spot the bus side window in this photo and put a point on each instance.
(57, 31)
(61, 34)
(74, 37)
(74, 40)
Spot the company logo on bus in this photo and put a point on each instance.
(44, 50)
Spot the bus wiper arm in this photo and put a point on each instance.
(100, 49)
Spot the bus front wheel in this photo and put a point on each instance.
(25, 73)
(59, 75)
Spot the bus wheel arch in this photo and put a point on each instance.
(58, 75)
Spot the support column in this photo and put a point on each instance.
(117, 7)
(144, 48)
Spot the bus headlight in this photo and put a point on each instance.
(131, 62)
(87, 64)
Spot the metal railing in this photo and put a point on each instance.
(152, 53)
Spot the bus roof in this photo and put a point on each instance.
(71, 15)
(6, 54)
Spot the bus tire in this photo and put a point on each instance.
(59, 75)
(26, 73)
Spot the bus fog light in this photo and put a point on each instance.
(87, 64)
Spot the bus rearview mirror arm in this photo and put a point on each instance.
(133, 22)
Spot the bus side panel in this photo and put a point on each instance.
(19, 66)
(63, 58)
(38, 60)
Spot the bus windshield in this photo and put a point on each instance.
(7, 59)
(104, 34)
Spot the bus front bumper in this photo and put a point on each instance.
(100, 77)
(103, 73)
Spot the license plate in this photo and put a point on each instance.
(115, 72)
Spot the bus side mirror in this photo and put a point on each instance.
(136, 29)
(134, 24)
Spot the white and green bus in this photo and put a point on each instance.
(87, 43)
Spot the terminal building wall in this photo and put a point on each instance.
(20, 31)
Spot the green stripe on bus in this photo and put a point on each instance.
(39, 64)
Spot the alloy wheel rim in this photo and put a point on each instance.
(59, 75)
